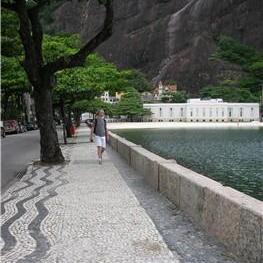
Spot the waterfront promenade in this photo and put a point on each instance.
(85, 212)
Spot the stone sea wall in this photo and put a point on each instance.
(232, 217)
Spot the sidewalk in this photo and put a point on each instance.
(78, 212)
(85, 212)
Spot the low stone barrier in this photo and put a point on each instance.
(232, 217)
(113, 141)
(147, 164)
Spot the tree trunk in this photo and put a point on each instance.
(77, 116)
(5, 106)
(63, 116)
(50, 150)
(69, 123)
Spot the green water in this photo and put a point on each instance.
(233, 157)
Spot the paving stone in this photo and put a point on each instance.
(78, 212)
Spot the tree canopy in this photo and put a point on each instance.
(174, 97)
(230, 94)
(246, 89)
(93, 106)
(131, 105)
(10, 42)
(137, 80)
(40, 70)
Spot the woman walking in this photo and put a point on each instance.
(99, 128)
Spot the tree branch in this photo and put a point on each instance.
(79, 58)
(29, 63)
(37, 33)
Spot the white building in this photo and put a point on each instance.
(161, 89)
(197, 110)
(109, 99)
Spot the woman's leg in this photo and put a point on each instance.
(99, 151)
(103, 148)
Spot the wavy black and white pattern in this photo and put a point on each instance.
(24, 210)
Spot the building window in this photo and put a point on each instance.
(229, 112)
(171, 112)
(241, 112)
(182, 112)
(197, 112)
(210, 112)
(223, 113)
(191, 112)
(203, 112)
(216, 112)
(160, 112)
(252, 112)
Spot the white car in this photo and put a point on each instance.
(2, 129)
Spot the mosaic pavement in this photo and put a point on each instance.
(77, 212)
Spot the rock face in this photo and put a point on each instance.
(169, 39)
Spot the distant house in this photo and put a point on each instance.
(105, 97)
(147, 96)
(197, 110)
(118, 95)
(158, 92)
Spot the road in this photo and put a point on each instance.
(17, 151)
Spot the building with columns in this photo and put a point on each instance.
(197, 110)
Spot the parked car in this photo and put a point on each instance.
(11, 126)
(31, 126)
(22, 128)
(2, 129)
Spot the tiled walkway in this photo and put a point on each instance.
(85, 212)
(79, 212)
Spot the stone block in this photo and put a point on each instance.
(113, 141)
(147, 164)
(151, 168)
(124, 149)
(191, 198)
(151, 172)
(251, 233)
(221, 216)
(137, 159)
(169, 182)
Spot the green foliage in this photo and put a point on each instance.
(174, 97)
(59, 45)
(105, 74)
(131, 105)
(13, 77)
(10, 41)
(231, 50)
(89, 81)
(137, 80)
(256, 69)
(76, 84)
(231, 94)
(93, 106)
(246, 89)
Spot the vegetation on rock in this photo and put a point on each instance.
(246, 89)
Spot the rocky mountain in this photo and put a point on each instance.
(169, 39)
